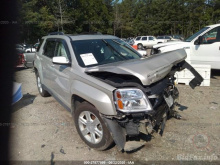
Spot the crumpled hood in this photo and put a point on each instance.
(148, 70)
(171, 43)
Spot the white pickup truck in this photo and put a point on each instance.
(202, 47)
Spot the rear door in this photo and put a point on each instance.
(60, 81)
(46, 61)
(208, 52)
(152, 41)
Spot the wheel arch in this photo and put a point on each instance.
(75, 100)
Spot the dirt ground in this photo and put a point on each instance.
(42, 130)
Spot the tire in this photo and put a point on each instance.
(140, 46)
(91, 127)
(42, 92)
(152, 52)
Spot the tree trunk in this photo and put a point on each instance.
(61, 16)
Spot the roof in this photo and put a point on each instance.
(212, 26)
(84, 37)
(81, 36)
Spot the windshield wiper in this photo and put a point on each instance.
(110, 46)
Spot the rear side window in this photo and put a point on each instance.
(49, 48)
(144, 38)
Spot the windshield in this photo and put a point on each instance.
(196, 34)
(102, 51)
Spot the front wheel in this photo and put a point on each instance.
(140, 46)
(91, 127)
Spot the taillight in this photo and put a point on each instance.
(21, 58)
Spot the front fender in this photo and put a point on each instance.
(103, 101)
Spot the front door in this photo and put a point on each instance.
(144, 41)
(208, 52)
(61, 74)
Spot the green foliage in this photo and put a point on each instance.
(124, 18)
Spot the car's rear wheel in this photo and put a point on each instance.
(140, 46)
(91, 127)
(42, 92)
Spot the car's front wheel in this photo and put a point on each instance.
(140, 46)
(91, 127)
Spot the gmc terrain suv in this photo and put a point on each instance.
(111, 91)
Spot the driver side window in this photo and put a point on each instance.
(212, 36)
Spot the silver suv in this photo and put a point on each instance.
(111, 91)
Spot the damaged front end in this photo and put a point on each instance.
(143, 104)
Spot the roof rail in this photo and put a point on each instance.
(93, 33)
(56, 33)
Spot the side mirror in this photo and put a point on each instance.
(60, 60)
(199, 40)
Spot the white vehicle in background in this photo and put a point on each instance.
(202, 47)
(177, 38)
(32, 48)
(29, 50)
(162, 39)
(145, 41)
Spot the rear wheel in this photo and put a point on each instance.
(91, 127)
(42, 92)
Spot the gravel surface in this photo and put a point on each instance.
(42, 130)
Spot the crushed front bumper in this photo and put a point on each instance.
(164, 105)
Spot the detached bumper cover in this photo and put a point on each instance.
(197, 80)
(117, 132)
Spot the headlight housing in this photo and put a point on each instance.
(131, 100)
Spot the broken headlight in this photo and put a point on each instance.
(131, 100)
